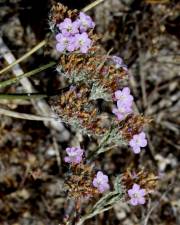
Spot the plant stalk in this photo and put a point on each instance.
(25, 116)
(33, 50)
(92, 5)
(28, 74)
(22, 96)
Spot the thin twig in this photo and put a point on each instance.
(92, 5)
(33, 50)
(40, 105)
(26, 116)
(91, 215)
(58, 156)
(28, 74)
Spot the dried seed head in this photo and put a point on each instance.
(92, 68)
(147, 180)
(132, 125)
(59, 12)
(75, 108)
(79, 183)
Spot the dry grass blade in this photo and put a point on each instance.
(28, 74)
(25, 56)
(92, 5)
(25, 116)
(40, 105)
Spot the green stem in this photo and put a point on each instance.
(22, 96)
(95, 153)
(28, 74)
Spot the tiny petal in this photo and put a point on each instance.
(142, 135)
(132, 143)
(68, 150)
(84, 49)
(58, 37)
(120, 116)
(115, 110)
(126, 91)
(136, 187)
(143, 143)
(60, 47)
(142, 192)
(131, 192)
(100, 174)
(125, 68)
(104, 187)
(118, 94)
(136, 149)
(95, 183)
(134, 201)
(66, 159)
(141, 201)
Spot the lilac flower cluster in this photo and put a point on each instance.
(73, 35)
(124, 103)
(138, 141)
(101, 182)
(137, 195)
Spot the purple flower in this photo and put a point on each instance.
(75, 155)
(68, 28)
(137, 195)
(82, 42)
(122, 110)
(85, 22)
(101, 182)
(64, 43)
(124, 96)
(137, 142)
(118, 62)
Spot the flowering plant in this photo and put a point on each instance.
(94, 76)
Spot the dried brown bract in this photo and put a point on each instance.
(79, 183)
(92, 68)
(59, 12)
(147, 180)
(75, 108)
(133, 124)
